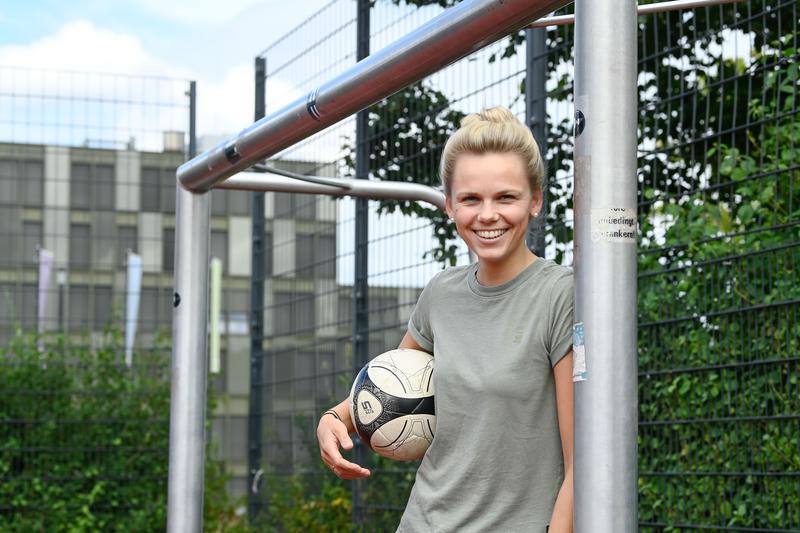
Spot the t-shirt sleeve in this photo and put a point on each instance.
(419, 325)
(561, 318)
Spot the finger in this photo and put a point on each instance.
(343, 438)
(345, 467)
(348, 474)
(329, 449)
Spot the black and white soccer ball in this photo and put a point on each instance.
(391, 404)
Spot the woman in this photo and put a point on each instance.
(501, 333)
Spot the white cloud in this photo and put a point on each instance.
(80, 45)
(202, 11)
(225, 102)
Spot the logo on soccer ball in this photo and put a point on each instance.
(367, 407)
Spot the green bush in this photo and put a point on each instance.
(84, 440)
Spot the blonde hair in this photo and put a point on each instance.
(497, 130)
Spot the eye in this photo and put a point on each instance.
(469, 199)
(508, 197)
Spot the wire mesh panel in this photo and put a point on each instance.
(307, 362)
(718, 296)
(87, 201)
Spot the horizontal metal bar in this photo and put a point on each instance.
(698, 473)
(660, 7)
(646, 374)
(455, 33)
(376, 190)
(726, 259)
(720, 420)
(714, 314)
(301, 177)
(681, 527)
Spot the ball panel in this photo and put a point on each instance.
(402, 442)
(369, 407)
(388, 379)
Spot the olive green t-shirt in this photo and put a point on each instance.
(495, 464)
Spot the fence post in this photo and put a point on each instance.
(360, 283)
(606, 399)
(192, 119)
(536, 119)
(189, 366)
(256, 318)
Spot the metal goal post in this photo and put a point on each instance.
(605, 463)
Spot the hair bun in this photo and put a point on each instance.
(495, 115)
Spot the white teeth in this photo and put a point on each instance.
(490, 234)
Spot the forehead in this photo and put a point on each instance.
(489, 172)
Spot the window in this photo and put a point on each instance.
(91, 186)
(304, 255)
(17, 307)
(149, 189)
(325, 256)
(78, 307)
(158, 189)
(79, 196)
(168, 190)
(168, 249)
(291, 205)
(293, 313)
(103, 187)
(127, 239)
(33, 185)
(31, 239)
(8, 181)
(101, 308)
(80, 246)
(155, 310)
(315, 256)
(21, 182)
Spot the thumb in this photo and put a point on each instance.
(344, 438)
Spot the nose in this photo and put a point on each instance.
(488, 213)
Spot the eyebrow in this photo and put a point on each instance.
(466, 194)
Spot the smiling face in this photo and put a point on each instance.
(491, 203)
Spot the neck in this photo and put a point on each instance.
(490, 274)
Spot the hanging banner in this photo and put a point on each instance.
(46, 260)
(133, 292)
(216, 298)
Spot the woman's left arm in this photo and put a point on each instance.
(561, 519)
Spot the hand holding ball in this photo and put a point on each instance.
(391, 404)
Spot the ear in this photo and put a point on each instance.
(536, 202)
(448, 207)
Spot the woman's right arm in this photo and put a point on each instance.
(334, 432)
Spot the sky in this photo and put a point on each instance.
(213, 42)
(210, 41)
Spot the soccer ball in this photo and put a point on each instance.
(391, 404)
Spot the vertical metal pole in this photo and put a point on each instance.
(192, 119)
(360, 283)
(189, 355)
(256, 318)
(605, 461)
(536, 119)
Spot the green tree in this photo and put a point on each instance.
(405, 139)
